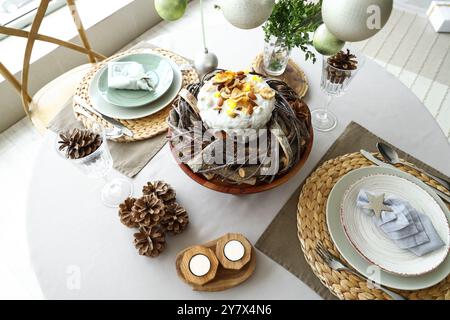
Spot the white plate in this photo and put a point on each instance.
(116, 112)
(358, 262)
(373, 244)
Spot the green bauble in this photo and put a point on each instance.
(325, 42)
(170, 10)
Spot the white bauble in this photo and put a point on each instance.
(325, 42)
(247, 14)
(355, 20)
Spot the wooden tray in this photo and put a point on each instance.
(220, 186)
(293, 76)
(225, 278)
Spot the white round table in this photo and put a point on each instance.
(80, 250)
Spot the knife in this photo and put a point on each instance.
(83, 103)
(378, 162)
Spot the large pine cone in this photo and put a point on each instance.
(150, 242)
(148, 211)
(176, 219)
(78, 143)
(162, 189)
(126, 213)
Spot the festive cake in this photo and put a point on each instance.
(236, 100)
(236, 105)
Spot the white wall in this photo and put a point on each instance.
(106, 36)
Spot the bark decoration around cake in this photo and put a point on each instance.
(239, 128)
(155, 214)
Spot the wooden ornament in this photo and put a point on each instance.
(224, 278)
(228, 250)
(190, 256)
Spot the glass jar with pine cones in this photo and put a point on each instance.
(337, 73)
(88, 151)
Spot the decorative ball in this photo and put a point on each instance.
(248, 14)
(325, 42)
(355, 20)
(205, 62)
(170, 10)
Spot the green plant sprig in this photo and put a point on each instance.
(292, 21)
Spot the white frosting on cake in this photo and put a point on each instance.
(208, 101)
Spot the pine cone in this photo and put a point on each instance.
(343, 60)
(344, 64)
(176, 219)
(150, 242)
(78, 143)
(162, 189)
(148, 211)
(126, 214)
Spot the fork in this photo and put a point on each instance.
(335, 264)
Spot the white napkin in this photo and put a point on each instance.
(408, 228)
(130, 76)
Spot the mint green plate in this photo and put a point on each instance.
(136, 98)
(113, 111)
(354, 258)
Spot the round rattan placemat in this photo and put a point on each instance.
(312, 228)
(293, 76)
(143, 128)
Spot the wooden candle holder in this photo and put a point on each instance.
(186, 270)
(227, 273)
(224, 261)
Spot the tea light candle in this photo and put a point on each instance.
(234, 250)
(199, 265)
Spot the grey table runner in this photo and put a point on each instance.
(279, 241)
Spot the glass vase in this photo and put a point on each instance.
(276, 56)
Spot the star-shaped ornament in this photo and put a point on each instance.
(376, 204)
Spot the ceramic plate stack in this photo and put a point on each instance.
(365, 246)
(144, 113)
(134, 104)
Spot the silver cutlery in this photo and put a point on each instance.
(369, 156)
(113, 122)
(111, 133)
(391, 156)
(335, 264)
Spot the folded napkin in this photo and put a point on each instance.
(408, 228)
(130, 76)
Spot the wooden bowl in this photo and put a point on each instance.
(220, 186)
(224, 278)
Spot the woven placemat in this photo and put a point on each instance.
(312, 228)
(293, 76)
(143, 128)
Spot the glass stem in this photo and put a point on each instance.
(107, 177)
(324, 116)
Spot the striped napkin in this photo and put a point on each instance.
(408, 228)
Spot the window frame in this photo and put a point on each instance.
(26, 19)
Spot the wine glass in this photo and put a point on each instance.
(334, 83)
(98, 165)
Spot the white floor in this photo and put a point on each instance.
(19, 144)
